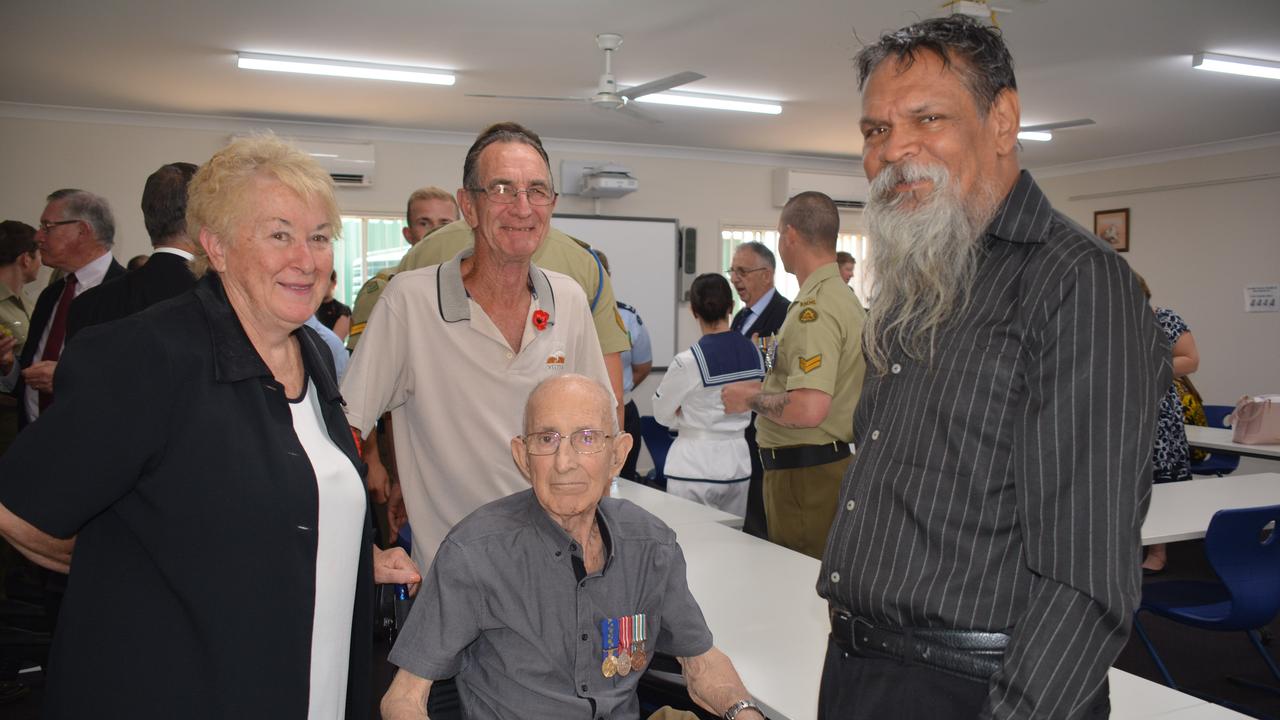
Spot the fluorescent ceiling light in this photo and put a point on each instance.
(1236, 65)
(712, 102)
(1037, 135)
(344, 68)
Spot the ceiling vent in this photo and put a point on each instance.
(847, 190)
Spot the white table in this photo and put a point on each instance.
(1219, 439)
(763, 609)
(672, 510)
(1182, 510)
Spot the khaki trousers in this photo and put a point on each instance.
(800, 505)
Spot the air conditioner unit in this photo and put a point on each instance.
(847, 190)
(348, 163)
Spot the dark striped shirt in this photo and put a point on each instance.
(1002, 485)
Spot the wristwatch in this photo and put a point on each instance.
(739, 706)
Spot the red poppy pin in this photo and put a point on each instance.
(540, 318)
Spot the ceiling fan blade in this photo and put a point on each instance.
(665, 83)
(525, 97)
(1063, 125)
(630, 110)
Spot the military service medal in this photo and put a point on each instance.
(609, 667)
(624, 640)
(638, 658)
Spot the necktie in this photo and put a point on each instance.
(740, 319)
(58, 331)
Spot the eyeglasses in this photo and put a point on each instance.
(743, 272)
(505, 194)
(583, 442)
(47, 227)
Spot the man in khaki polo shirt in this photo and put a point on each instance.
(19, 265)
(452, 350)
(804, 408)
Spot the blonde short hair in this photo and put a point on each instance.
(219, 197)
(430, 192)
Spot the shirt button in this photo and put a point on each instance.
(584, 637)
(573, 546)
(508, 356)
(875, 434)
(850, 505)
(584, 687)
(835, 577)
(895, 369)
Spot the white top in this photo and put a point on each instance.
(339, 528)
(710, 445)
(456, 390)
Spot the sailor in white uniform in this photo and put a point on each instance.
(709, 462)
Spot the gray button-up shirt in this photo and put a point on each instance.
(1002, 485)
(503, 609)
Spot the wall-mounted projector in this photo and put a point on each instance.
(596, 179)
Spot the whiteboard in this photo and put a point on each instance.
(644, 256)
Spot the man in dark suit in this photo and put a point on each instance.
(752, 276)
(75, 233)
(165, 274)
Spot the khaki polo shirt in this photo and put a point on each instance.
(362, 308)
(14, 317)
(558, 252)
(819, 347)
(456, 390)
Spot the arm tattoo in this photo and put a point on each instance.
(770, 406)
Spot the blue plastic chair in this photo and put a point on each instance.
(1218, 464)
(1245, 554)
(657, 439)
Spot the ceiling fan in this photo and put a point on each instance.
(607, 96)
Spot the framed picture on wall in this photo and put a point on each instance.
(1113, 226)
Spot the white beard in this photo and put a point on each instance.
(923, 259)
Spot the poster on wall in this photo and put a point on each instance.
(1113, 226)
(1261, 298)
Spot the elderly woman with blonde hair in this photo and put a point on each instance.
(199, 460)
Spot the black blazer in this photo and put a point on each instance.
(193, 581)
(40, 317)
(770, 321)
(164, 276)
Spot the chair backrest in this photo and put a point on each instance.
(1245, 554)
(657, 440)
(1216, 414)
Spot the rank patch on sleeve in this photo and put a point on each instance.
(808, 315)
(809, 364)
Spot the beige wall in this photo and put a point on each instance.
(1198, 247)
(113, 158)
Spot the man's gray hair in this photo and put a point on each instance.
(762, 250)
(92, 209)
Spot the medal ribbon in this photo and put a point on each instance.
(637, 622)
(606, 636)
(625, 635)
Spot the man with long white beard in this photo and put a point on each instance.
(984, 558)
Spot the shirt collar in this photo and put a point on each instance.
(758, 308)
(234, 357)
(455, 303)
(558, 542)
(93, 273)
(1025, 214)
(830, 270)
(174, 251)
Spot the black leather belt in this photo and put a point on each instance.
(800, 456)
(969, 654)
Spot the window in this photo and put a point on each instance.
(369, 244)
(856, 245)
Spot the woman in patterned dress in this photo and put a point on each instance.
(1171, 455)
